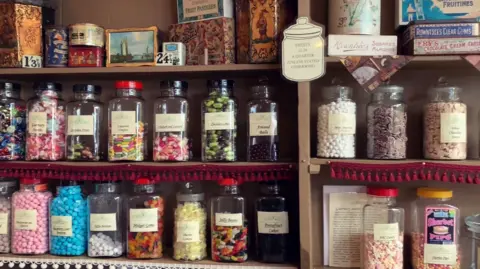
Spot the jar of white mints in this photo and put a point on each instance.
(336, 124)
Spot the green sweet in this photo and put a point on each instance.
(217, 105)
(209, 102)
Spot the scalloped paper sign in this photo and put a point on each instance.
(473, 60)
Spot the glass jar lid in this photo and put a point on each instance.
(434, 193)
(221, 83)
(382, 192)
(129, 84)
(190, 192)
(107, 188)
(303, 29)
(174, 88)
(10, 86)
(336, 90)
(8, 186)
(47, 86)
(389, 89)
(443, 86)
(87, 88)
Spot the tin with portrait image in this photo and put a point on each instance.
(56, 46)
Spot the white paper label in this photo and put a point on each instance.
(123, 123)
(144, 220)
(440, 254)
(32, 61)
(193, 8)
(385, 232)
(226, 219)
(103, 222)
(342, 123)
(4, 223)
(80, 125)
(188, 231)
(272, 222)
(453, 127)
(170, 122)
(25, 219)
(37, 122)
(219, 121)
(263, 124)
(62, 226)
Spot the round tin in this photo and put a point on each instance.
(86, 34)
(354, 17)
(56, 46)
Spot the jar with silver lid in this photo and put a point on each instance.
(6, 190)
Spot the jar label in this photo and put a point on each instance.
(219, 121)
(188, 231)
(272, 222)
(478, 257)
(453, 127)
(263, 124)
(62, 226)
(440, 236)
(25, 219)
(80, 125)
(3, 223)
(123, 122)
(386, 232)
(227, 219)
(440, 254)
(342, 123)
(37, 122)
(174, 122)
(144, 220)
(103, 222)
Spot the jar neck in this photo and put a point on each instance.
(228, 190)
(144, 188)
(261, 92)
(49, 94)
(68, 190)
(6, 190)
(382, 200)
(173, 92)
(220, 92)
(128, 93)
(441, 96)
(385, 96)
(81, 96)
(9, 94)
(106, 188)
(33, 187)
(271, 190)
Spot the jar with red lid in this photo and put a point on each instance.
(383, 226)
(126, 123)
(145, 221)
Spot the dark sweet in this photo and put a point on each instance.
(265, 151)
(12, 134)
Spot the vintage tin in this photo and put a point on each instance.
(85, 56)
(194, 10)
(446, 30)
(178, 51)
(86, 34)
(56, 47)
(443, 46)
(354, 17)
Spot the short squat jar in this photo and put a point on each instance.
(336, 126)
(262, 124)
(84, 124)
(445, 124)
(105, 221)
(14, 122)
(387, 124)
(171, 123)
(7, 187)
(219, 124)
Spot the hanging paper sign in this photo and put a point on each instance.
(473, 60)
(303, 53)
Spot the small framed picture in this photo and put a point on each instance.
(131, 46)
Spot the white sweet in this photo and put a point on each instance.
(102, 245)
(335, 145)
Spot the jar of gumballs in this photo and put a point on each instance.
(190, 233)
(13, 127)
(68, 221)
(126, 123)
(7, 187)
(30, 206)
(145, 221)
(46, 123)
(171, 123)
(336, 125)
(219, 126)
(84, 122)
(105, 221)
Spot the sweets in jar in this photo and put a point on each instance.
(14, 122)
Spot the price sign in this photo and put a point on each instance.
(164, 58)
(31, 61)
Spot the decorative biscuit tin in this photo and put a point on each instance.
(354, 17)
(362, 45)
(86, 34)
(447, 30)
(177, 51)
(443, 46)
(56, 46)
(85, 56)
(197, 10)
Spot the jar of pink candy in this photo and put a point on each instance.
(46, 123)
(6, 190)
(30, 206)
(171, 122)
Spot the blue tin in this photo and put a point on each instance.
(447, 30)
(56, 47)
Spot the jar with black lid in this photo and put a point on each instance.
(84, 121)
(171, 123)
(7, 187)
(12, 130)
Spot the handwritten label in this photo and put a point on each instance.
(263, 124)
(227, 219)
(219, 121)
(37, 122)
(25, 219)
(342, 123)
(170, 122)
(103, 222)
(272, 222)
(350, 45)
(62, 226)
(453, 127)
(193, 8)
(123, 122)
(144, 220)
(385, 232)
(80, 125)
(440, 254)
(4, 223)
(188, 231)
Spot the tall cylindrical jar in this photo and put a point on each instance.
(219, 124)
(68, 221)
(262, 124)
(105, 221)
(14, 122)
(46, 123)
(30, 206)
(435, 230)
(336, 124)
(84, 124)
(383, 230)
(145, 209)
(7, 187)
(126, 123)
(445, 124)
(354, 17)
(472, 223)
(171, 123)
(387, 124)
(190, 234)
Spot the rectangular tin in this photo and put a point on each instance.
(358, 45)
(443, 46)
(177, 49)
(197, 10)
(447, 30)
(56, 47)
(85, 56)
(86, 34)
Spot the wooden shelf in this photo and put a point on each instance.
(320, 161)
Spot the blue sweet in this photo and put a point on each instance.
(68, 222)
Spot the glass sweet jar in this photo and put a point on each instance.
(14, 122)
(84, 124)
(171, 123)
(7, 187)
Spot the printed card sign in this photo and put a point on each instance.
(4, 223)
(62, 226)
(440, 236)
(37, 123)
(227, 219)
(80, 125)
(453, 127)
(272, 222)
(103, 222)
(174, 122)
(188, 231)
(123, 122)
(25, 219)
(144, 220)
(219, 121)
(263, 124)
